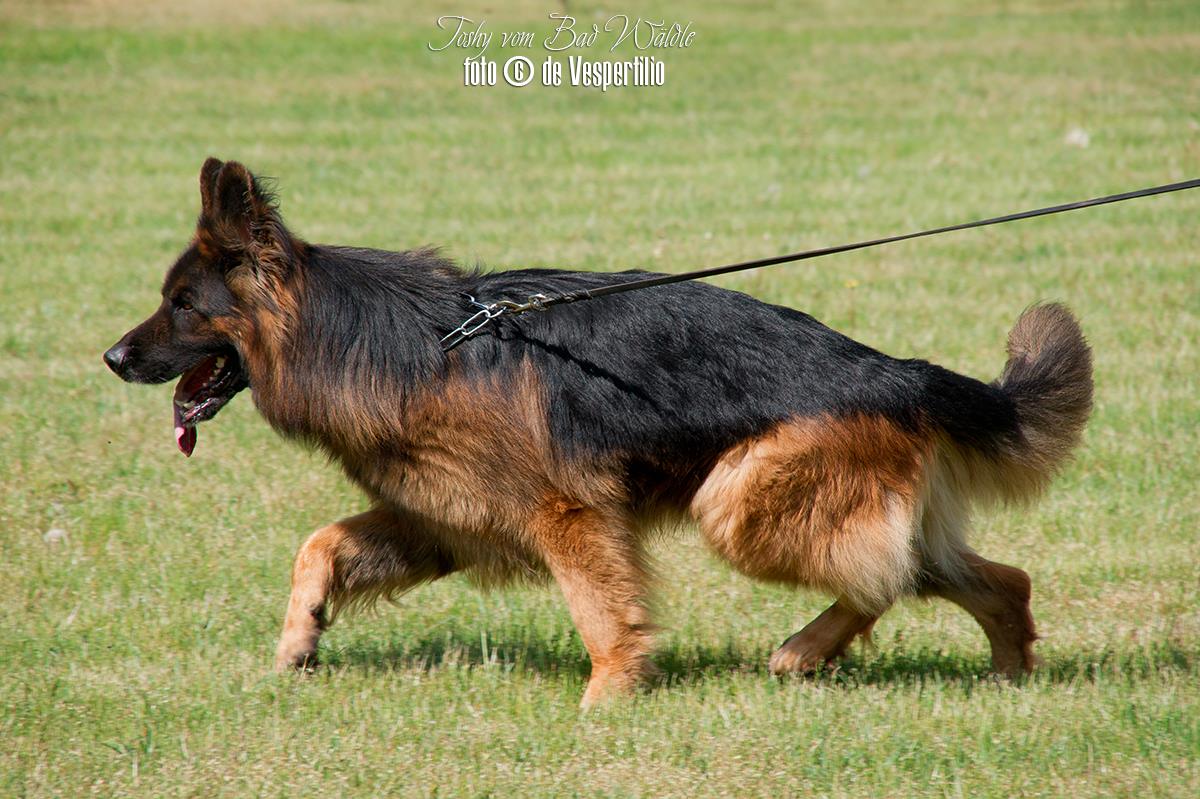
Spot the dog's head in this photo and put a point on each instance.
(212, 297)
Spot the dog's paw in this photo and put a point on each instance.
(799, 656)
(302, 658)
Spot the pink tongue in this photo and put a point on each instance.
(191, 382)
(185, 437)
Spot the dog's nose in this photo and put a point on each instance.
(116, 356)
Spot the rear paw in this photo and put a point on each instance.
(797, 656)
(1015, 666)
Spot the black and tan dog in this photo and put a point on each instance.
(553, 443)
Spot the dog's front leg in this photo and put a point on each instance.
(365, 556)
(598, 565)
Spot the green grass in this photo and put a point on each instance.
(135, 652)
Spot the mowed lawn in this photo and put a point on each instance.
(141, 592)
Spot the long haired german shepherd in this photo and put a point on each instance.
(553, 443)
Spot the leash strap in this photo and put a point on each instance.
(540, 302)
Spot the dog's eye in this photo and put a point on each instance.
(182, 304)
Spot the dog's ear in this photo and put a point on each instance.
(208, 182)
(239, 218)
(236, 204)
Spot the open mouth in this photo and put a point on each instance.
(201, 392)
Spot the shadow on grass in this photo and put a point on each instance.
(682, 664)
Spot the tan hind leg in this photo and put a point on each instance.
(998, 597)
(599, 568)
(356, 558)
(828, 503)
(823, 640)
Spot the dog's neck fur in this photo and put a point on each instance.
(351, 335)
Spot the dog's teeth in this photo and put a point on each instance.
(221, 362)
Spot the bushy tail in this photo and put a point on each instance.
(1048, 377)
(1007, 440)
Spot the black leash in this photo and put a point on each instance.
(540, 302)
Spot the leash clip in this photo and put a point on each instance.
(486, 313)
(473, 324)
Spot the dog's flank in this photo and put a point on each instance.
(551, 445)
